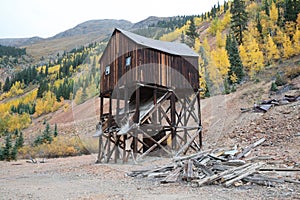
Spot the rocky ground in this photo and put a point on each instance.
(81, 178)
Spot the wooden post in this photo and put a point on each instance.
(101, 107)
(185, 119)
(173, 120)
(99, 158)
(117, 118)
(136, 120)
(126, 108)
(109, 125)
(199, 116)
(154, 115)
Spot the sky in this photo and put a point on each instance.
(46, 18)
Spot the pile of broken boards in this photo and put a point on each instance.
(265, 105)
(216, 167)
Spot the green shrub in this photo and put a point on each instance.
(274, 87)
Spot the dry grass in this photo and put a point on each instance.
(53, 46)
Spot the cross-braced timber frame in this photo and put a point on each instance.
(149, 119)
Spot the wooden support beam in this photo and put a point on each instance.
(185, 121)
(136, 120)
(99, 158)
(199, 118)
(187, 145)
(163, 148)
(153, 146)
(124, 150)
(101, 108)
(109, 125)
(173, 120)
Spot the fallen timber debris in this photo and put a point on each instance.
(266, 105)
(217, 167)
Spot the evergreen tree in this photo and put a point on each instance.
(7, 148)
(1, 154)
(236, 66)
(226, 6)
(46, 70)
(266, 7)
(7, 85)
(55, 130)
(292, 8)
(192, 33)
(182, 36)
(0, 85)
(43, 87)
(47, 136)
(14, 152)
(20, 140)
(238, 19)
(258, 24)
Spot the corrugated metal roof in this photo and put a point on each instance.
(168, 47)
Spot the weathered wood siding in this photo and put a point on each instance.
(147, 65)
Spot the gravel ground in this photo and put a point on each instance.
(80, 178)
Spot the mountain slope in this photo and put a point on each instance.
(100, 27)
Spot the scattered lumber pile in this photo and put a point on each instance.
(216, 167)
(265, 105)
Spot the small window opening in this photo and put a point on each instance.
(128, 61)
(107, 70)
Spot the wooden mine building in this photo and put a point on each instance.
(151, 88)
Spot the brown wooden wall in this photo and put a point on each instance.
(154, 66)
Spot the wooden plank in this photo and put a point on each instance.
(189, 170)
(204, 168)
(246, 150)
(215, 177)
(250, 170)
(193, 156)
(240, 172)
(172, 177)
(280, 169)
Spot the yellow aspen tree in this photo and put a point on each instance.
(244, 56)
(16, 89)
(290, 28)
(278, 38)
(298, 20)
(296, 42)
(197, 45)
(220, 67)
(220, 40)
(288, 50)
(272, 52)
(251, 56)
(273, 13)
(39, 108)
(226, 19)
(202, 78)
(265, 23)
(206, 45)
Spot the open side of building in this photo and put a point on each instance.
(153, 94)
